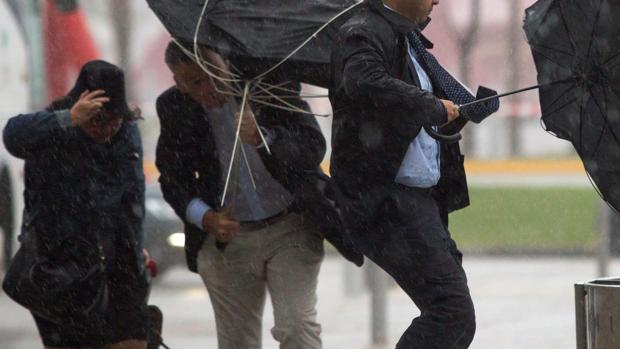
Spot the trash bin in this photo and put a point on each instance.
(597, 310)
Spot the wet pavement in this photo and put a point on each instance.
(520, 302)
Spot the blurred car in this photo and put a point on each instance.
(163, 230)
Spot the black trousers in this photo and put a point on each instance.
(407, 237)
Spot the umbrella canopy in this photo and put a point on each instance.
(267, 42)
(257, 34)
(576, 50)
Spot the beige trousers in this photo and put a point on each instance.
(283, 259)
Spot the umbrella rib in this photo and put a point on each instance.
(548, 58)
(270, 87)
(598, 15)
(277, 98)
(592, 182)
(604, 116)
(611, 59)
(263, 140)
(292, 53)
(267, 86)
(199, 61)
(279, 87)
(539, 46)
(581, 114)
(198, 58)
(276, 86)
(258, 101)
(204, 64)
(598, 191)
(256, 96)
(247, 163)
(600, 137)
(570, 36)
(199, 55)
(578, 5)
(559, 97)
(562, 106)
(246, 90)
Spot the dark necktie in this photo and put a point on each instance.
(450, 87)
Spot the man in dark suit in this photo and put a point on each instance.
(265, 236)
(396, 181)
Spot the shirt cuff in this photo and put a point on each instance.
(64, 118)
(195, 211)
(269, 135)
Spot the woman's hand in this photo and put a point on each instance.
(87, 106)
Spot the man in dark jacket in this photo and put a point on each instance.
(396, 181)
(261, 237)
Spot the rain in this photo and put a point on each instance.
(309, 174)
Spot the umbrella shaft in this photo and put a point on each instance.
(482, 100)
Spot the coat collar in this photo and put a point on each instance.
(402, 24)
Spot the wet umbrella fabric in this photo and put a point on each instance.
(575, 43)
(255, 35)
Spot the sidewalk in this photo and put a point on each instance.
(521, 303)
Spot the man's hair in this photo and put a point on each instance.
(175, 55)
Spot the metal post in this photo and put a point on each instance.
(604, 228)
(514, 40)
(377, 282)
(353, 279)
(580, 316)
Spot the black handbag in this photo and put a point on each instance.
(66, 283)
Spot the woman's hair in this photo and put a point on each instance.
(65, 102)
(60, 104)
(100, 75)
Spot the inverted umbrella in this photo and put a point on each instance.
(257, 35)
(576, 50)
(264, 40)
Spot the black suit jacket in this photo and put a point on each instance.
(189, 165)
(379, 108)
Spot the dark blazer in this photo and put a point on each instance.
(379, 107)
(75, 187)
(189, 165)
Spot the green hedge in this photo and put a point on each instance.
(527, 219)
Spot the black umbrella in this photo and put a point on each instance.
(266, 41)
(258, 35)
(576, 49)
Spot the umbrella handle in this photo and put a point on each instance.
(443, 137)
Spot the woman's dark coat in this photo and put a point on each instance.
(75, 187)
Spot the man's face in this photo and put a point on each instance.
(192, 80)
(416, 10)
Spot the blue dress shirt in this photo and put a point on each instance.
(421, 165)
(250, 204)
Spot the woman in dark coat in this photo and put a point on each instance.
(84, 182)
